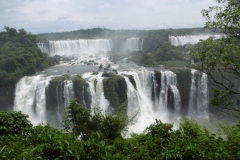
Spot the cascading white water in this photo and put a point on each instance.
(79, 47)
(68, 92)
(133, 99)
(177, 99)
(192, 95)
(203, 97)
(199, 96)
(191, 39)
(169, 79)
(142, 96)
(30, 97)
(98, 98)
(133, 44)
(142, 45)
(154, 87)
(42, 47)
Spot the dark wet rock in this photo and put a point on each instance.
(81, 91)
(184, 81)
(7, 97)
(115, 90)
(55, 99)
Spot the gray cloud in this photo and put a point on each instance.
(39, 16)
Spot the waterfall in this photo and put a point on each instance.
(133, 99)
(140, 101)
(142, 45)
(68, 92)
(83, 97)
(154, 87)
(199, 96)
(60, 105)
(192, 96)
(42, 46)
(153, 98)
(133, 44)
(30, 97)
(98, 98)
(169, 81)
(177, 99)
(190, 39)
(203, 97)
(79, 47)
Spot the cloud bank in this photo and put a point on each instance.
(43, 16)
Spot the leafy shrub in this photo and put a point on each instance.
(159, 129)
(81, 122)
(13, 123)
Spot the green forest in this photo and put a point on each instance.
(93, 33)
(101, 137)
(19, 55)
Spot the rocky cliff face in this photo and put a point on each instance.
(81, 91)
(184, 80)
(170, 99)
(157, 76)
(115, 90)
(183, 84)
(7, 97)
(55, 99)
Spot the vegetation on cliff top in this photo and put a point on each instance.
(19, 55)
(115, 90)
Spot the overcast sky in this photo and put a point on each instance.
(44, 16)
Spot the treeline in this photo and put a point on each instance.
(164, 54)
(113, 34)
(95, 136)
(19, 55)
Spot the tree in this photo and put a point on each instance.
(19, 55)
(82, 122)
(220, 59)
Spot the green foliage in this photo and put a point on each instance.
(223, 18)
(41, 142)
(159, 129)
(164, 54)
(190, 141)
(82, 122)
(233, 139)
(60, 79)
(174, 63)
(19, 55)
(13, 123)
(220, 59)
